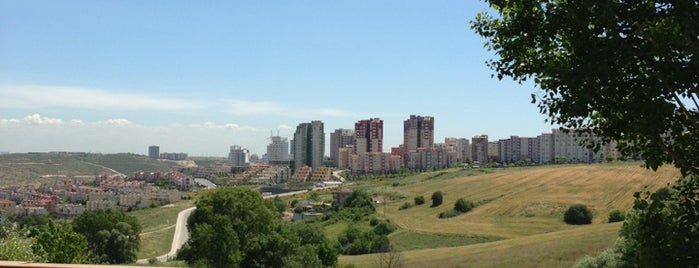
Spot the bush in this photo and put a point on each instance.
(419, 200)
(395, 184)
(405, 205)
(437, 198)
(616, 216)
(578, 214)
(384, 228)
(462, 205)
(449, 214)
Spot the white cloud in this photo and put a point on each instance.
(37, 119)
(119, 122)
(284, 127)
(77, 122)
(40, 96)
(231, 126)
(10, 121)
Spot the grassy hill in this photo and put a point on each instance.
(522, 208)
(35, 168)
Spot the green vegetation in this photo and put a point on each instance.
(419, 200)
(592, 62)
(578, 214)
(247, 233)
(128, 164)
(113, 236)
(616, 216)
(406, 240)
(437, 198)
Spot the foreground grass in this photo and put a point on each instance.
(557, 249)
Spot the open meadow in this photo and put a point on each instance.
(518, 218)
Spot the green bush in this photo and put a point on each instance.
(384, 228)
(616, 216)
(462, 205)
(449, 214)
(419, 200)
(405, 205)
(437, 198)
(395, 184)
(578, 214)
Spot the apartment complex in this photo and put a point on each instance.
(368, 136)
(153, 152)
(239, 156)
(278, 150)
(340, 138)
(559, 146)
(479, 148)
(309, 144)
(418, 132)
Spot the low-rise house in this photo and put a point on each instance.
(100, 205)
(29, 211)
(69, 210)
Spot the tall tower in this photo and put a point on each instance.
(278, 150)
(239, 156)
(368, 136)
(479, 149)
(309, 144)
(340, 138)
(153, 152)
(418, 132)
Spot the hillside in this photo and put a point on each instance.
(35, 168)
(521, 206)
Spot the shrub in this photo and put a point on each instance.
(462, 205)
(449, 214)
(437, 198)
(395, 184)
(419, 200)
(578, 214)
(384, 228)
(616, 216)
(405, 205)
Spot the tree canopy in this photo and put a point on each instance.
(112, 236)
(625, 71)
(235, 227)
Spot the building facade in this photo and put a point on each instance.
(479, 149)
(418, 132)
(153, 152)
(368, 136)
(340, 138)
(278, 150)
(239, 156)
(309, 144)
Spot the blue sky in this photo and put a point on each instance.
(197, 77)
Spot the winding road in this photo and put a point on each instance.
(181, 233)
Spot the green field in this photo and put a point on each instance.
(518, 221)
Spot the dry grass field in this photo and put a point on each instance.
(521, 206)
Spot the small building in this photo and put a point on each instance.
(341, 195)
(69, 210)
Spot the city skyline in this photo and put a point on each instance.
(118, 77)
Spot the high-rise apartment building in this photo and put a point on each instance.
(309, 144)
(479, 149)
(368, 136)
(418, 132)
(460, 146)
(340, 138)
(278, 150)
(239, 156)
(153, 152)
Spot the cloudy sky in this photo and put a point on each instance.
(197, 77)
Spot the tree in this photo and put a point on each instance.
(463, 206)
(15, 245)
(578, 214)
(61, 244)
(437, 198)
(235, 227)
(419, 200)
(625, 71)
(113, 236)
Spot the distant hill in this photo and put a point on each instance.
(35, 168)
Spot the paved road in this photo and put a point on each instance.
(181, 233)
